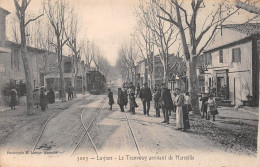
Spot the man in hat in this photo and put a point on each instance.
(146, 97)
(166, 102)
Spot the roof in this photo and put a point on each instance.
(248, 28)
(4, 11)
(17, 45)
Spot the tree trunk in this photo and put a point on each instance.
(75, 81)
(193, 83)
(62, 85)
(29, 89)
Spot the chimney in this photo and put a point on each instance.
(3, 14)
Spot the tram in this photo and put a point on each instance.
(96, 82)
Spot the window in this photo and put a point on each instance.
(208, 59)
(15, 58)
(221, 56)
(236, 55)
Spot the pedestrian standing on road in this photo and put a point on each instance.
(69, 92)
(43, 100)
(13, 99)
(179, 110)
(187, 102)
(156, 97)
(204, 106)
(212, 107)
(121, 99)
(111, 98)
(51, 96)
(36, 97)
(146, 97)
(174, 100)
(138, 89)
(166, 102)
(133, 104)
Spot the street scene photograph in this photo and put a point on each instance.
(129, 83)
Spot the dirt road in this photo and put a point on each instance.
(124, 138)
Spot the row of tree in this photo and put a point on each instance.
(55, 29)
(179, 28)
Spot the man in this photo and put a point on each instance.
(166, 102)
(146, 97)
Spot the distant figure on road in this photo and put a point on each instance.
(111, 98)
(43, 100)
(125, 96)
(70, 92)
(204, 105)
(166, 102)
(132, 99)
(13, 99)
(51, 96)
(138, 89)
(36, 96)
(146, 97)
(156, 97)
(121, 99)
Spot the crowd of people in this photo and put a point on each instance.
(164, 100)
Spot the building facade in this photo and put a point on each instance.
(232, 63)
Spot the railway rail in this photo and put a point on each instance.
(86, 132)
(52, 116)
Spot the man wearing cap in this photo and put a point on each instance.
(146, 97)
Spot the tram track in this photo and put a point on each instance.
(86, 132)
(132, 133)
(51, 117)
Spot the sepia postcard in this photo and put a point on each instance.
(129, 83)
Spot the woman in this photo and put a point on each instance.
(174, 100)
(51, 96)
(187, 102)
(121, 99)
(111, 98)
(13, 99)
(132, 99)
(212, 107)
(43, 101)
(182, 120)
(156, 98)
(36, 96)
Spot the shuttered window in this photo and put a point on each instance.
(15, 58)
(221, 56)
(236, 55)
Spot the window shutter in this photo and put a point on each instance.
(233, 58)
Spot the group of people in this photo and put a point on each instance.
(42, 98)
(208, 106)
(164, 100)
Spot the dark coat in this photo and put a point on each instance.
(121, 98)
(111, 99)
(145, 94)
(125, 97)
(13, 98)
(166, 99)
(51, 96)
(43, 100)
(204, 106)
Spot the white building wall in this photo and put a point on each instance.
(243, 80)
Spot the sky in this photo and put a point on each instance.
(108, 23)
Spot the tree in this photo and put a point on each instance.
(163, 33)
(58, 12)
(21, 14)
(193, 41)
(126, 62)
(71, 33)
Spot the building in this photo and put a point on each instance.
(232, 64)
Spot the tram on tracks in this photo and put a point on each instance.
(96, 82)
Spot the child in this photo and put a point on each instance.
(212, 107)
